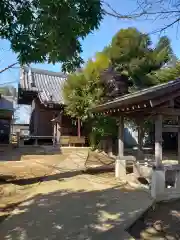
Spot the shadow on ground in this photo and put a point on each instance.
(161, 221)
(64, 214)
(32, 180)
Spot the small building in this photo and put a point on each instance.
(43, 91)
(6, 116)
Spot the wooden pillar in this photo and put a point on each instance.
(18, 138)
(36, 121)
(36, 117)
(179, 139)
(10, 131)
(158, 140)
(121, 137)
(140, 139)
(79, 127)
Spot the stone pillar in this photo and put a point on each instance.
(54, 133)
(158, 184)
(110, 143)
(158, 140)
(121, 137)
(120, 166)
(179, 139)
(158, 173)
(59, 133)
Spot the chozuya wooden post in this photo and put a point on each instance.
(140, 124)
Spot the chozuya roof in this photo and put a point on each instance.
(46, 84)
(151, 94)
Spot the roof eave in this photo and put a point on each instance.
(128, 99)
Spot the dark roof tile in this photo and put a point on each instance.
(138, 96)
(47, 84)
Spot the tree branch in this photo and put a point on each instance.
(167, 26)
(8, 67)
(146, 8)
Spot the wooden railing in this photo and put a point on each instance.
(72, 140)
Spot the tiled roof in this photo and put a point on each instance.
(48, 85)
(145, 94)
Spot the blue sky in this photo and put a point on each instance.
(93, 43)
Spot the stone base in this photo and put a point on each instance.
(157, 184)
(159, 191)
(120, 169)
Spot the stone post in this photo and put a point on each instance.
(120, 167)
(158, 173)
(158, 140)
(110, 143)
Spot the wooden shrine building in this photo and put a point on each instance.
(158, 103)
(43, 91)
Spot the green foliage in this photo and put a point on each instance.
(44, 30)
(131, 52)
(168, 74)
(133, 58)
(83, 90)
(102, 126)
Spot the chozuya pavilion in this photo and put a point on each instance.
(159, 103)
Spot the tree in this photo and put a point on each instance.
(167, 12)
(133, 56)
(83, 89)
(129, 58)
(41, 30)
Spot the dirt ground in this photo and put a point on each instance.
(32, 166)
(67, 203)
